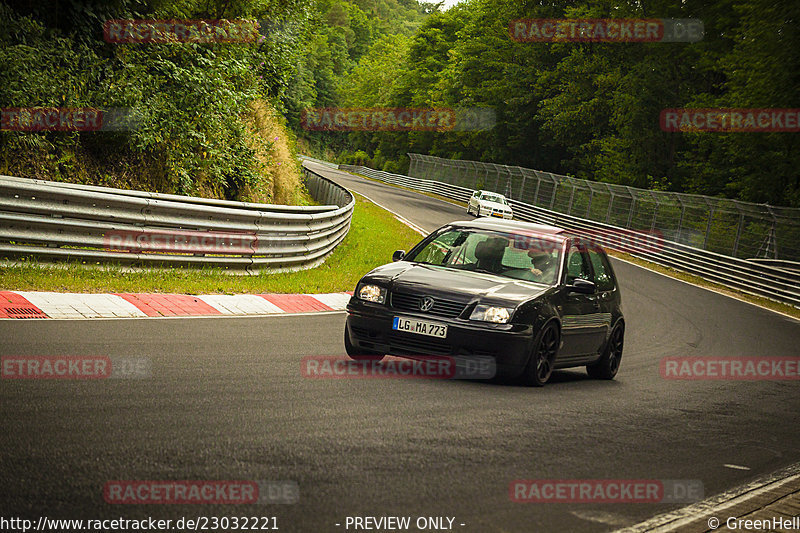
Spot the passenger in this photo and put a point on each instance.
(543, 266)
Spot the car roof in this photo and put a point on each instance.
(512, 225)
(490, 192)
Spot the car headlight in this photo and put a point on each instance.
(372, 293)
(488, 313)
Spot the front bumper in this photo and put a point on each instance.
(495, 214)
(370, 327)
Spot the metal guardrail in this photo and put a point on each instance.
(318, 161)
(792, 266)
(764, 280)
(721, 225)
(51, 221)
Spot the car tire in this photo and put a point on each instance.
(540, 365)
(469, 210)
(358, 354)
(607, 366)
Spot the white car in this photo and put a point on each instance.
(489, 204)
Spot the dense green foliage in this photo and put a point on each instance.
(586, 109)
(193, 103)
(343, 36)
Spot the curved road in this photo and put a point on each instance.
(227, 401)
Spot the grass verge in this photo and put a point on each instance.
(374, 235)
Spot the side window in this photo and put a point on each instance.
(602, 272)
(577, 264)
(436, 250)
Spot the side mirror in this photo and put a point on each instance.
(398, 255)
(582, 286)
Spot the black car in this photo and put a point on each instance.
(532, 297)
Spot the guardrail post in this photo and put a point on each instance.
(772, 233)
(738, 231)
(774, 238)
(680, 219)
(571, 196)
(538, 184)
(589, 205)
(655, 211)
(610, 204)
(632, 208)
(708, 225)
(555, 190)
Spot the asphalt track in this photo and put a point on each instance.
(227, 401)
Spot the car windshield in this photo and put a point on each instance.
(493, 198)
(525, 256)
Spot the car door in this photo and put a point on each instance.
(607, 292)
(581, 329)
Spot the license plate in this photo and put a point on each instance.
(420, 327)
(498, 215)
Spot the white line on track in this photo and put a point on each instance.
(736, 467)
(715, 505)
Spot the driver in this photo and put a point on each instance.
(489, 254)
(542, 264)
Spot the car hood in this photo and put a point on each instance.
(495, 205)
(453, 284)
